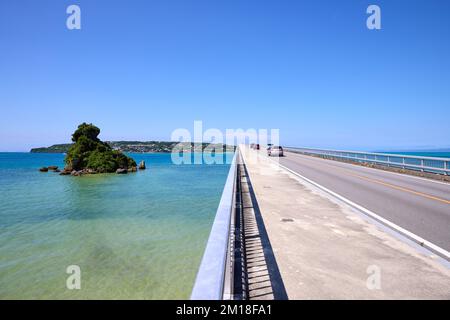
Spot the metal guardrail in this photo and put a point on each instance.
(214, 276)
(424, 164)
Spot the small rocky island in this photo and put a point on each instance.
(89, 155)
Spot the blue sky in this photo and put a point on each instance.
(140, 69)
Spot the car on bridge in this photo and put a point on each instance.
(254, 146)
(275, 151)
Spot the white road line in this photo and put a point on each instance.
(384, 171)
(424, 243)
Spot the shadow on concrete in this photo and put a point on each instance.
(263, 276)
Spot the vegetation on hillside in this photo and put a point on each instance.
(136, 147)
(56, 148)
(89, 152)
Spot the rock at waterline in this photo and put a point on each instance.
(121, 171)
(52, 168)
(142, 165)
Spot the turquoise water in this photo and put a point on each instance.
(135, 236)
(424, 154)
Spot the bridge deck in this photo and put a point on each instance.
(324, 249)
(419, 205)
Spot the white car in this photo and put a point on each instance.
(275, 151)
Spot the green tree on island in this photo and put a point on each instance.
(90, 153)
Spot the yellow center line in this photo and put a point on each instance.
(393, 186)
(400, 188)
(428, 196)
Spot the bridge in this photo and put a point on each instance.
(329, 224)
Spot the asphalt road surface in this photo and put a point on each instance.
(418, 205)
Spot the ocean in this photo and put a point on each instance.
(423, 154)
(134, 236)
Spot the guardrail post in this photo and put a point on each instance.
(422, 164)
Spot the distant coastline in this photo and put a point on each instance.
(138, 147)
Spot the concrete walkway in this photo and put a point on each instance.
(324, 249)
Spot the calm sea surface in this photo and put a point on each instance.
(424, 154)
(135, 236)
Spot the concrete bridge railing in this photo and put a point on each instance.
(214, 277)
